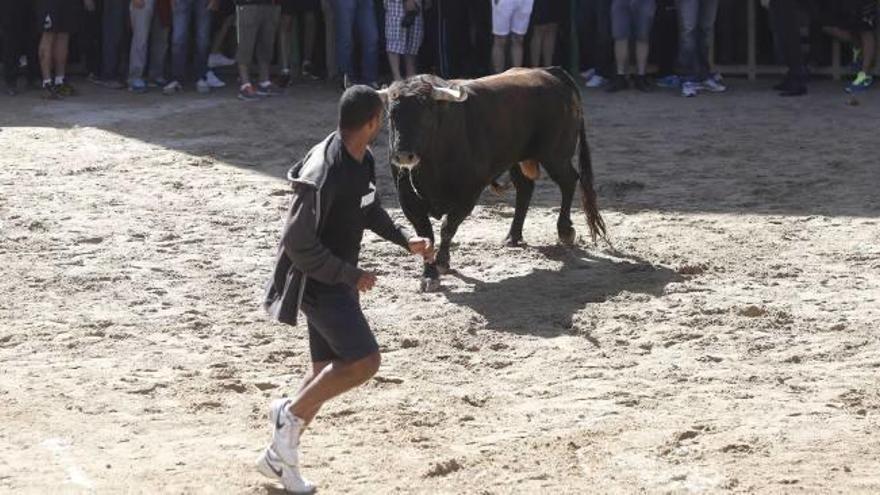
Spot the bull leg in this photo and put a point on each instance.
(566, 177)
(524, 189)
(451, 222)
(416, 211)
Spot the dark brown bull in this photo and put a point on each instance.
(452, 139)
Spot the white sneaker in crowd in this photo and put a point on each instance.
(172, 88)
(214, 81)
(596, 81)
(219, 60)
(690, 89)
(713, 85)
(202, 87)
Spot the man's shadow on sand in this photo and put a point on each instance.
(544, 302)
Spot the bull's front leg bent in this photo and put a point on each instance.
(451, 222)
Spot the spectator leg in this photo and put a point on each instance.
(330, 38)
(394, 62)
(549, 49)
(688, 13)
(310, 34)
(517, 49)
(869, 51)
(411, 65)
(621, 55)
(113, 31)
(141, 20)
(708, 13)
(180, 38)
(368, 30)
(203, 38)
(499, 53)
(343, 12)
(47, 42)
(284, 29)
(158, 48)
(59, 53)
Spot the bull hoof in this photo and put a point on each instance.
(430, 285)
(513, 242)
(567, 239)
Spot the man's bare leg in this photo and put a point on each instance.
(317, 368)
(334, 379)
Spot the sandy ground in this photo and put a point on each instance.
(728, 342)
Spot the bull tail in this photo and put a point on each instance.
(588, 194)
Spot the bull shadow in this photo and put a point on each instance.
(544, 302)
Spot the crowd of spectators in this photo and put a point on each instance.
(176, 45)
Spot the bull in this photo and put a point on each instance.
(449, 140)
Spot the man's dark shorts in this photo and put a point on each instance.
(291, 7)
(338, 329)
(58, 16)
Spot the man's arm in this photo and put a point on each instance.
(301, 243)
(382, 225)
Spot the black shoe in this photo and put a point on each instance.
(782, 84)
(50, 92)
(617, 83)
(284, 80)
(793, 88)
(643, 84)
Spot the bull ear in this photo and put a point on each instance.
(456, 95)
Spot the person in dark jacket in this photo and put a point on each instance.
(334, 201)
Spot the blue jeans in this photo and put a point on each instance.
(182, 17)
(363, 13)
(696, 19)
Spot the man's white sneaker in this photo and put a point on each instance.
(286, 429)
(202, 87)
(293, 482)
(271, 466)
(214, 81)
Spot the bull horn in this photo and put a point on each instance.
(384, 94)
(456, 95)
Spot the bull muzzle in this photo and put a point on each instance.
(405, 159)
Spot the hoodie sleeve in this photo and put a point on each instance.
(381, 224)
(303, 247)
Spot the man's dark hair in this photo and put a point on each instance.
(358, 105)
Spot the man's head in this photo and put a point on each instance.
(360, 110)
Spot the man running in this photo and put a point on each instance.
(334, 201)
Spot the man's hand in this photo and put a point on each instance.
(366, 282)
(89, 5)
(138, 4)
(422, 247)
(213, 5)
